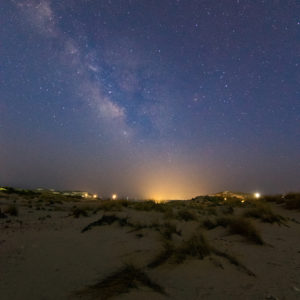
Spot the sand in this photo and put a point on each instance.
(44, 255)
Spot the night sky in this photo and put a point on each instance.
(161, 99)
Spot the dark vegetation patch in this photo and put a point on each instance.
(246, 229)
(263, 212)
(163, 256)
(289, 201)
(195, 247)
(233, 260)
(186, 215)
(107, 220)
(168, 230)
(236, 225)
(120, 282)
(80, 212)
(21, 192)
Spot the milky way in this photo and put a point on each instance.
(159, 99)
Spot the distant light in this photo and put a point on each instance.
(95, 196)
(243, 201)
(257, 195)
(225, 198)
(85, 195)
(114, 196)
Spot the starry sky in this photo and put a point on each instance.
(154, 99)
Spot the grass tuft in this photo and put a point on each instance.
(106, 220)
(121, 282)
(196, 247)
(246, 229)
(168, 230)
(79, 212)
(264, 213)
(233, 260)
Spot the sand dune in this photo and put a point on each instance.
(178, 250)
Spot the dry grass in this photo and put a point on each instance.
(245, 228)
(292, 201)
(289, 201)
(168, 230)
(263, 212)
(163, 256)
(233, 260)
(107, 220)
(80, 212)
(120, 282)
(195, 247)
(237, 225)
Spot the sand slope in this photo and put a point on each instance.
(44, 255)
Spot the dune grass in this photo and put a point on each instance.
(107, 220)
(245, 228)
(236, 225)
(163, 256)
(168, 230)
(196, 247)
(289, 201)
(292, 201)
(80, 212)
(263, 212)
(121, 282)
(233, 260)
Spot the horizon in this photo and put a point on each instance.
(150, 100)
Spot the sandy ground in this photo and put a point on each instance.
(44, 255)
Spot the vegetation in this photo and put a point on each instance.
(246, 229)
(80, 212)
(196, 247)
(163, 256)
(263, 212)
(289, 201)
(186, 215)
(168, 230)
(127, 278)
(233, 260)
(292, 201)
(107, 220)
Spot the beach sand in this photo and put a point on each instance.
(45, 255)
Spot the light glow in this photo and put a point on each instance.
(257, 195)
(114, 196)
